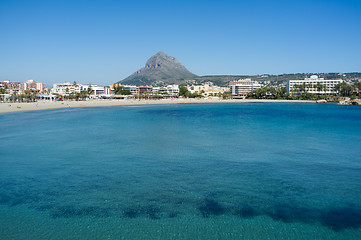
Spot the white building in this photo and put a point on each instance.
(207, 88)
(172, 89)
(67, 88)
(96, 90)
(314, 85)
(243, 86)
(159, 90)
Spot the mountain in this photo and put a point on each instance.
(160, 69)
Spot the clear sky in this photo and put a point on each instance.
(103, 41)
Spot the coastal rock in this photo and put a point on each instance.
(346, 101)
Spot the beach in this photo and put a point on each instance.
(45, 105)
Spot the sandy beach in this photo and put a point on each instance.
(44, 105)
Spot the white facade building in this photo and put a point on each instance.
(173, 89)
(170, 90)
(96, 90)
(243, 86)
(314, 85)
(67, 88)
(207, 88)
(159, 90)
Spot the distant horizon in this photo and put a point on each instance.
(104, 42)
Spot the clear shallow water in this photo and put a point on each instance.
(276, 171)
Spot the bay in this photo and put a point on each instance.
(196, 171)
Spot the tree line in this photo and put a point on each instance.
(27, 96)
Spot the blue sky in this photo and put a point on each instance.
(101, 42)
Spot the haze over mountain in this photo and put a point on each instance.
(160, 69)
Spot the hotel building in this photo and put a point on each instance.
(243, 86)
(169, 90)
(172, 89)
(314, 85)
(67, 88)
(206, 89)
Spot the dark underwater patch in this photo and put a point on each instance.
(341, 218)
(153, 212)
(336, 219)
(14, 198)
(131, 213)
(16, 202)
(172, 215)
(67, 212)
(287, 213)
(210, 207)
(246, 212)
(4, 199)
(102, 212)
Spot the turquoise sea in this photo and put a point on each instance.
(195, 171)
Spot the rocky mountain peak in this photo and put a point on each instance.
(160, 67)
(161, 59)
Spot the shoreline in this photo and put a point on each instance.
(47, 105)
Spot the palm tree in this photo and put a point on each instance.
(344, 89)
(357, 87)
(295, 89)
(303, 87)
(90, 90)
(319, 87)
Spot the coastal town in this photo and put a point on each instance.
(31, 91)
